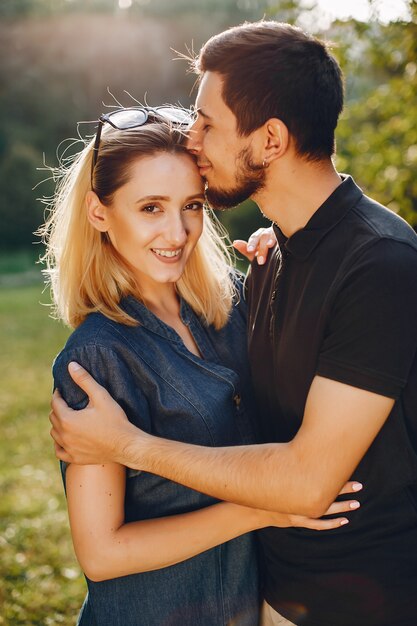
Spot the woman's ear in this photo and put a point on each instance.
(96, 212)
(276, 139)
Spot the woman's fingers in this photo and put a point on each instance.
(352, 486)
(258, 245)
(242, 247)
(265, 242)
(260, 242)
(326, 524)
(342, 507)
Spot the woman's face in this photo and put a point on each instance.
(156, 218)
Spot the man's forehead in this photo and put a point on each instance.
(209, 92)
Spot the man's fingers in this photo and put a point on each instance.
(87, 383)
(241, 247)
(61, 454)
(56, 436)
(352, 486)
(58, 404)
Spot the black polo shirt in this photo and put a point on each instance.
(339, 299)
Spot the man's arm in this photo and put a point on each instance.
(303, 476)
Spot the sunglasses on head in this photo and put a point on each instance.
(133, 117)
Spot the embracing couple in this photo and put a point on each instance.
(192, 406)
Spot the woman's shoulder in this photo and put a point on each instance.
(98, 344)
(97, 339)
(96, 331)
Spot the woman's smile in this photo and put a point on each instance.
(168, 255)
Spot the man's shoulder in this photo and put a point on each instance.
(382, 224)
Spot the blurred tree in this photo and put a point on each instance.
(59, 57)
(377, 135)
(20, 213)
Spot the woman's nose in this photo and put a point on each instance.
(176, 231)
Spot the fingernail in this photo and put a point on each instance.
(261, 260)
(271, 242)
(357, 486)
(250, 248)
(354, 505)
(73, 366)
(344, 521)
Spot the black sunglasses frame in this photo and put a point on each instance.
(147, 111)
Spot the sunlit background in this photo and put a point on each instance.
(63, 61)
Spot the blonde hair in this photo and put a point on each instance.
(86, 273)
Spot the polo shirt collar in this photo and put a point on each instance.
(302, 243)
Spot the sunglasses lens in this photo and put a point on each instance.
(128, 118)
(178, 116)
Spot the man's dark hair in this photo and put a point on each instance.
(271, 69)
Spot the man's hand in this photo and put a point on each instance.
(99, 433)
(258, 245)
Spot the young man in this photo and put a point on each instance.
(332, 342)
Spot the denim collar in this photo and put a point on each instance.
(302, 243)
(149, 320)
(200, 332)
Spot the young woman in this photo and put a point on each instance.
(138, 268)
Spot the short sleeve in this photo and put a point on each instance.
(110, 371)
(371, 337)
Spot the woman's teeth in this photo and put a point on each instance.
(167, 253)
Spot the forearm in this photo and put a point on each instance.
(265, 476)
(153, 544)
(302, 476)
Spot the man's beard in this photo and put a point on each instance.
(250, 178)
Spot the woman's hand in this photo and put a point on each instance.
(284, 520)
(258, 244)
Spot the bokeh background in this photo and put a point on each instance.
(63, 61)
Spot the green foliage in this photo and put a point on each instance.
(60, 56)
(243, 221)
(41, 584)
(377, 135)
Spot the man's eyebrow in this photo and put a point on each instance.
(201, 112)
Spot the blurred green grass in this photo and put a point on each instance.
(40, 581)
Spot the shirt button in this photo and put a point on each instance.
(274, 296)
(236, 400)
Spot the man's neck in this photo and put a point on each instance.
(294, 190)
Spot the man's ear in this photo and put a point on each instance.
(96, 212)
(277, 140)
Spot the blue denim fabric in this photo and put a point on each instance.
(171, 393)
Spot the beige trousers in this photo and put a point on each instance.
(269, 617)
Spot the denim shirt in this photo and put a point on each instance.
(169, 392)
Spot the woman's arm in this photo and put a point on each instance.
(107, 548)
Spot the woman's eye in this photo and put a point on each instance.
(151, 208)
(194, 206)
